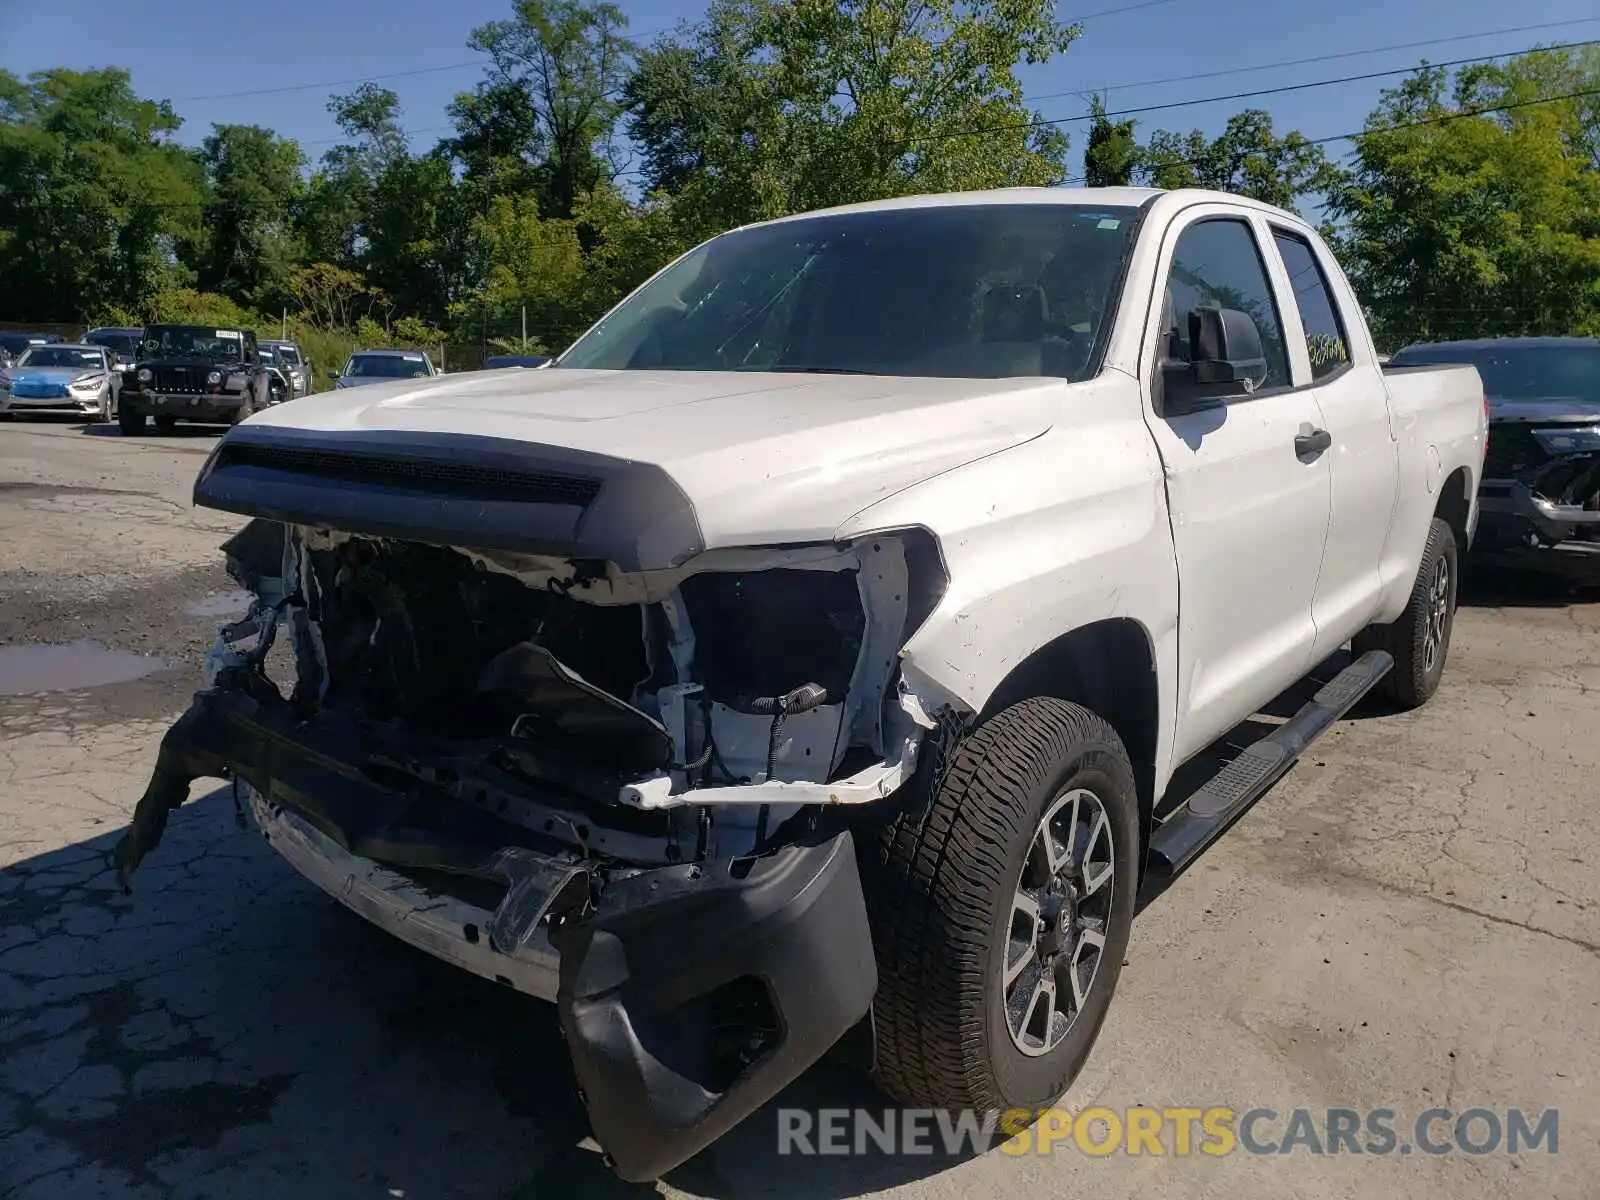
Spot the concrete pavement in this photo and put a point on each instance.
(1410, 920)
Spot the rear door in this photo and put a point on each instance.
(1249, 507)
(1363, 453)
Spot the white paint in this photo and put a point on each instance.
(1055, 505)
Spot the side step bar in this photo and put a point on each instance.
(1225, 796)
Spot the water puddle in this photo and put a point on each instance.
(224, 604)
(28, 669)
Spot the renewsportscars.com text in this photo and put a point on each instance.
(1180, 1132)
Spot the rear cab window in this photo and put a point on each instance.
(1327, 342)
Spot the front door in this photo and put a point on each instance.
(1249, 508)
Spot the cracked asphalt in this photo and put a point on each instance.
(1411, 920)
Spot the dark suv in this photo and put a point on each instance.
(1539, 500)
(193, 373)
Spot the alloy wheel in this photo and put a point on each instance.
(1060, 915)
(1438, 615)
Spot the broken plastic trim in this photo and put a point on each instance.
(874, 783)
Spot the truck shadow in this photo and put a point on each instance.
(230, 1023)
(229, 1028)
(1501, 587)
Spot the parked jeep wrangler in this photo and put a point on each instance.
(193, 373)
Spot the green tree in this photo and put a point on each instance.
(1112, 153)
(338, 198)
(250, 246)
(1466, 217)
(95, 199)
(1248, 159)
(767, 108)
(558, 72)
(534, 265)
(418, 236)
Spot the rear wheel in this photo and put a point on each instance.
(131, 423)
(1001, 908)
(1420, 640)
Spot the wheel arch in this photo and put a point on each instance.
(1109, 667)
(1455, 505)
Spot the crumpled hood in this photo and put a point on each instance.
(1554, 411)
(763, 458)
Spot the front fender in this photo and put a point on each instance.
(1039, 540)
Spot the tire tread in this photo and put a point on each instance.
(940, 864)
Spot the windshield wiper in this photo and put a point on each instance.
(782, 370)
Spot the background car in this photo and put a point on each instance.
(121, 340)
(280, 380)
(1539, 498)
(297, 365)
(376, 366)
(13, 342)
(495, 361)
(61, 377)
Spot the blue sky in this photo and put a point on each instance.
(294, 42)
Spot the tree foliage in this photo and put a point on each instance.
(582, 161)
(1248, 158)
(95, 200)
(769, 107)
(1464, 217)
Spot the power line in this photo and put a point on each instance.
(1173, 104)
(1256, 93)
(1441, 119)
(327, 83)
(1126, 8)
(1317, 58)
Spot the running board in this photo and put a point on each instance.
(1226, 795)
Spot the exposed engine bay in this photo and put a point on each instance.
(639, 718)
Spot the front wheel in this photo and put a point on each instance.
(1420, 640)
(166, 424)
(1001, 908)
(130, 423)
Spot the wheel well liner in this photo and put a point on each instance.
(1455, 502)
(1109, 668)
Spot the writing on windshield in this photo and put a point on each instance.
(61, 356)
(186, 342)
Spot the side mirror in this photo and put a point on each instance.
(1227, 360)
(333, 376)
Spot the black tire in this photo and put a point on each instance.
(166, 424)
(131, 423)
(1420, 639)
(940, 895)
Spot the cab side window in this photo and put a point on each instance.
(1325, 337)
(1217, 263)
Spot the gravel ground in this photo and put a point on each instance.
(1410, 920)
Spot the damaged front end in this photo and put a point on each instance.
(1540, 498)
(626, 791)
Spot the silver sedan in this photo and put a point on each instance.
(61, 377)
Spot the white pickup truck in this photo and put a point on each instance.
(808, 649)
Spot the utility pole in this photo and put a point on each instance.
(524, 345)
(283, 326)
